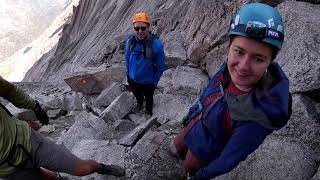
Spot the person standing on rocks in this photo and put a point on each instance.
(25, 154)
(244, 102)
(145, 58)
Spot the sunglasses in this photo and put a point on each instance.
(137, 28)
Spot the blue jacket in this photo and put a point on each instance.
(255, 116)
(141, 69)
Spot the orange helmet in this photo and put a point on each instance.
(141, 17)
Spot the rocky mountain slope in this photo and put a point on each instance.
(93, 116)
(24, 20)
(14, 67)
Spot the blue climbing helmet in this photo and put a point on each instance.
(259, 21)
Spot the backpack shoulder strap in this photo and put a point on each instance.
(4, 108)
(132, 42)
(148, 48)
(226, 77)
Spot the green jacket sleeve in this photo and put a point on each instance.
(15, 95)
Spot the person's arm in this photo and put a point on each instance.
(15, 95)
(246, 138)
(159, 61)
(22, 100)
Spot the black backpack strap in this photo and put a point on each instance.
(148, 49)
(132, 42)
(226, 77)
(4, 108)
(146, 45)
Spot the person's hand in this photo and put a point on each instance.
(185, 121)
(112, 170)
(41, 114)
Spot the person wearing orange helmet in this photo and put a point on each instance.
(145, 58)
(141, 24)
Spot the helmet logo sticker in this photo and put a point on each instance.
(232, 26)
(270, 22)
(280, 28)
(237, 20)
(273, 33)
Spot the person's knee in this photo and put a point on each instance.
(178, 142)
(47, 174)
(86, 167)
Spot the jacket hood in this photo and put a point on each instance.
(271, 109)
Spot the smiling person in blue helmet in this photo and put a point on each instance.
(144, 57)
(244, 102)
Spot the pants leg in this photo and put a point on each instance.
(51, 156)
(191, 164)
(181, 148)
(179, 139)
(48, 155)
(137, 91)
(148, 94)
(28, 174)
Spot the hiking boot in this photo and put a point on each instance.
(149, 112)
(112, 170)
(137, 108)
